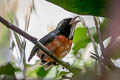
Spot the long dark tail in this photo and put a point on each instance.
(33, 52)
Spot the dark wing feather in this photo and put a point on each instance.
(46, 39)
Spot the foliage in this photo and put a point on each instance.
(80, 39)
(8, 69)
(41, 72)
(83, 7)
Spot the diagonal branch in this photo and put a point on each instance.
(91, 37)
(95, 47)
(36, 42)
(107, 59)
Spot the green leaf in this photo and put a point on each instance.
(81, 39)
(7, 69)
(32, 70)
(80, 44)
(80, 34)
(83, 7)
(41, 72)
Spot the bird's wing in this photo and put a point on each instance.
(46, 39)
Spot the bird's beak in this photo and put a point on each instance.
(75, 20)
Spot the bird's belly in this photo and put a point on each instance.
(60, 46)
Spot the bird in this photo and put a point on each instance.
(58, 41)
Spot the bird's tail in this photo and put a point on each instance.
(33, 52)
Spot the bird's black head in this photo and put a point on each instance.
(67, 26)
(64, 23)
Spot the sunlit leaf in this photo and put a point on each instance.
(32, 72)
(81, 39)
(80, 34)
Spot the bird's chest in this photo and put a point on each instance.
(60, 46)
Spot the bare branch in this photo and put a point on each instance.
(94, 45)
(107, 59)
(91, 36)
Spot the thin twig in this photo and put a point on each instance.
(18, 45)
(96, 58)
(27, 21)
(99, 35)
(98, 65)
(28, 15)
(107, 59)
(91, 36)
(95, 55)
(36, 42)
